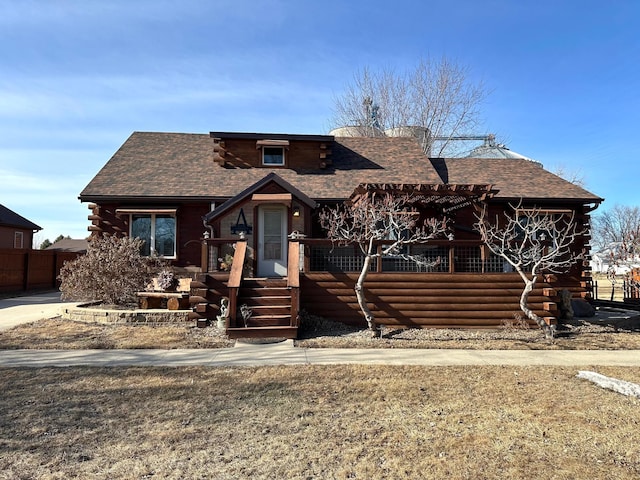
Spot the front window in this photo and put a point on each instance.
(272, 155)
(158, 232)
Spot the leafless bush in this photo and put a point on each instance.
(518, 323)
(111, 271)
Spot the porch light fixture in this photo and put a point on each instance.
(296, 211)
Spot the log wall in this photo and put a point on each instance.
(436, 300)
(105, 220)
(307, 154)
(206, 292)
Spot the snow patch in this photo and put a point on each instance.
(619, 386)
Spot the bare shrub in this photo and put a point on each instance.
(518, 323)
(111, 271)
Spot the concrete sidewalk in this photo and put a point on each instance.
(14, 311)
(286, 354)
(30, 308)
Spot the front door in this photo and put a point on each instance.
(272, 241)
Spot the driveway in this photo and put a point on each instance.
(30, 308)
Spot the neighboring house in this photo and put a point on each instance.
(74, 245)
(608, 258)
(241, 210)
(15, 230)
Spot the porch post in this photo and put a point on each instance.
(452, 258)
(293, 279)
(204, 256)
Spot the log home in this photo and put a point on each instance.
(239, 211)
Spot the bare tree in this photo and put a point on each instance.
(622, 227)
(533, 242)
(387, 220)
(572, 175)
(613, 226)
(436, 96)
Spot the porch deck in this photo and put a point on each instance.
(481, 298)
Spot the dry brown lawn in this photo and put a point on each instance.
(58, 333)
(606, 288)
(308, 422)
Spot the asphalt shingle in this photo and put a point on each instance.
(179, 165)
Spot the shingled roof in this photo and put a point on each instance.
(180, 166)
(515, 178)
(9, 218)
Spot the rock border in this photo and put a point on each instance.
(90, 313)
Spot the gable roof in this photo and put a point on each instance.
(9, 218)
(270, 178)
(181, 166)
(178, 166)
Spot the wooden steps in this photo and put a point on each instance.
(269, 301)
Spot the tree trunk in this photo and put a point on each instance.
(524, 306)
(362, 301)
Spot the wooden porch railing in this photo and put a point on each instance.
(468, 256)
(214, 251)
(235, 279)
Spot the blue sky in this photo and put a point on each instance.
(78, 77)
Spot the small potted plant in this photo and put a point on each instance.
(167, 280)
(226, 262)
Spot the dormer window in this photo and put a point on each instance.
(273, 156)
(273, 152)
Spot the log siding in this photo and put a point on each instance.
(435, 300)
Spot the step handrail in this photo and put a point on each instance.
(235, 278)
(293, 265)
(293, 279)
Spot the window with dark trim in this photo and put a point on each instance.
(18, 240)
(158, 230)
(273, 156)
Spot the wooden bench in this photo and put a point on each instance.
(174, 300)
